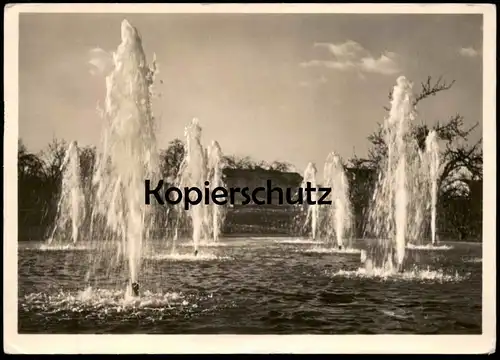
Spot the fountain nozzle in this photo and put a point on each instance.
(400, 269)
(135, 288)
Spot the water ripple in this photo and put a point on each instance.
(250, 287)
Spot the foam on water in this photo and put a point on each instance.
(428, 247)
(274, 238)
(208, 245)
(333, 251)
(419, 275)
(106, 301)
(66, 247)
(297, 241)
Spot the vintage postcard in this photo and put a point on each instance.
(259, 178)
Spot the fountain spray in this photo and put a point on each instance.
(389, 212)
(129, 151)
(432, 152)
(312, 210)
(193, 173)
(338, 217)
(71, 206)
(215, 165)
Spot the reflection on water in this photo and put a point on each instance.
(256, 286)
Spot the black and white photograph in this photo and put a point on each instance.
(251, 170)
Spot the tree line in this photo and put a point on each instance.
(461, 175)
(39, 174)
(40, 177)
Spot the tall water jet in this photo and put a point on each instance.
(388, 216)
(129, 151)
(215, 178)
(312, 210)
(71, 206)
(417, 194)
(432, 152)
(193, 174)
(338, 217)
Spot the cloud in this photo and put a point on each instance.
(349, 49)
(468, 52)
(351, 56)
(386, 64)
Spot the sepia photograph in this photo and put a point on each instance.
(252, 170)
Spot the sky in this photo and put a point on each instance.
(289, 87)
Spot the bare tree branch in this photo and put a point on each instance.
(455, 154)
(428, 88)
